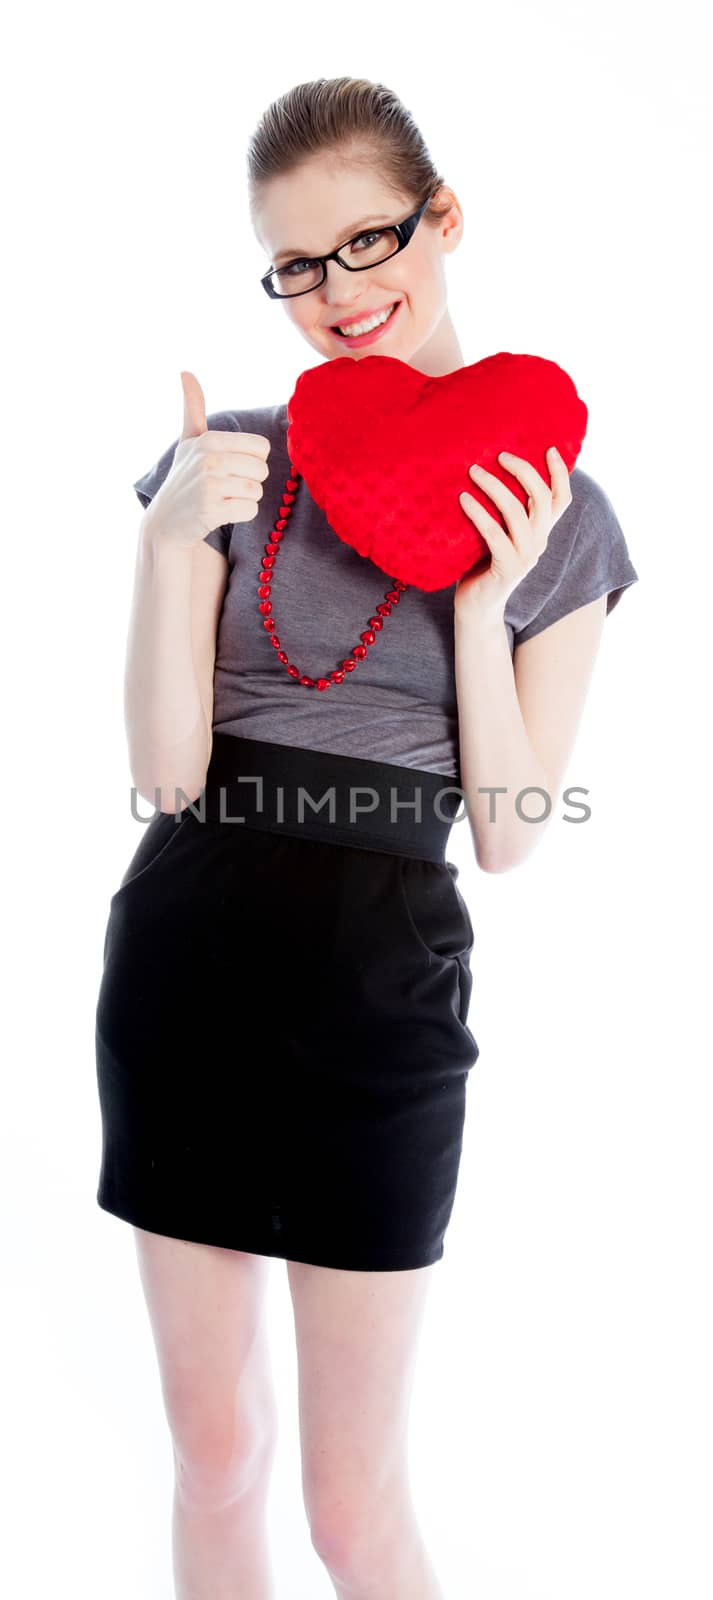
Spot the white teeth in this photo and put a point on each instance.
(354, 329)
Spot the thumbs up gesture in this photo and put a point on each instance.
(216, 475)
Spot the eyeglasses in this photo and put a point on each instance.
(309, 272)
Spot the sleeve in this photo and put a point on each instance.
(150, 482)
(586, 557)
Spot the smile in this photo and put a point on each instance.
(369, 327)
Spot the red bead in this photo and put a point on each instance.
(375, 623)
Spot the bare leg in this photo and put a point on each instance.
(220, 1550)
(394, 1561)
(206, 1306)
(357, 1336)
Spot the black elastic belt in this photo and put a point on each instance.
(313, 794)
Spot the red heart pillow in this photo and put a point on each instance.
(385, 451)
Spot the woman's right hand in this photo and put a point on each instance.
(216, 476)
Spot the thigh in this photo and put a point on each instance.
(357, 1336)
(207, 1310)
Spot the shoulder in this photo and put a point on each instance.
(586, 491)
(590, 514)
(270, 421)
(586, 556)
(595, 512)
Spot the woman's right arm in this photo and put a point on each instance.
(216, 477)
(170, 659)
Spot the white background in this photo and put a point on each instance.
(562, 1418)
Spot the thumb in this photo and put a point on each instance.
(194, 413)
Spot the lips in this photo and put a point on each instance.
(373, 311)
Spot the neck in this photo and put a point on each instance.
(441, 353)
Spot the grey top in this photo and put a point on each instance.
(399, 704)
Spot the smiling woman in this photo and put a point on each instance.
(282, 1037)
(346, 149)
(356, 254)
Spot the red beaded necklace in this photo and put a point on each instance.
(368, 637)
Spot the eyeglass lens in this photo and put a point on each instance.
(365, 251)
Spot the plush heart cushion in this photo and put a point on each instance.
(385, 451)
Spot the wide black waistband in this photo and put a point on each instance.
(314, 794)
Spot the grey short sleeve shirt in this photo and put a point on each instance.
(399, 704)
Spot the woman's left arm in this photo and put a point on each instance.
(518, 717)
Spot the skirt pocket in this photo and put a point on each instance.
(435, 909)
(158, 837)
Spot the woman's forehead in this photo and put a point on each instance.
(301, 213)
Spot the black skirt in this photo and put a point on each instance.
(282, 1047)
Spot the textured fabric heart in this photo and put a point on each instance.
(385, 451)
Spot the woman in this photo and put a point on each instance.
(282, 1039)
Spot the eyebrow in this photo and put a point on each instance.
(343, 238)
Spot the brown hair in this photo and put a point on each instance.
(356, 121)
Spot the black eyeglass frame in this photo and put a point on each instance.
(403, 231)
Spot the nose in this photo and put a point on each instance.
(340, 287)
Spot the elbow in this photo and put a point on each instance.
(170, 780)
(166, 792)
(505, 858)
(510, 849)
(491, 855)
(500, 863)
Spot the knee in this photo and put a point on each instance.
(352, 1530)
(220, 1455)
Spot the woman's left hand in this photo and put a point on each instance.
(483, 591)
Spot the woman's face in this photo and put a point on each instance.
(313, 210)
